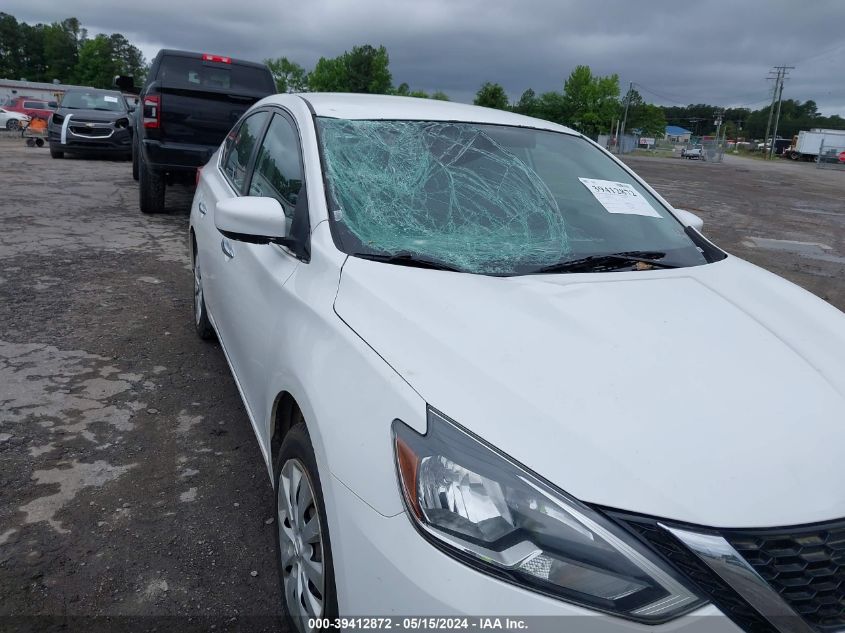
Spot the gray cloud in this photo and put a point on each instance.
(710, 51)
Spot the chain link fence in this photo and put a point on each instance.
(831, 156)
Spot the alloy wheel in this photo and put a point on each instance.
(301, 540)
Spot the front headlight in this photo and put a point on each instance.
(483, 508)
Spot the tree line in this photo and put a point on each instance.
(590, 103)
(63, 51)
(795, 116)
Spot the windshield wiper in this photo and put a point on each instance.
(611, 261)
(405, 258)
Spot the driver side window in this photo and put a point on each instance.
(278, 165)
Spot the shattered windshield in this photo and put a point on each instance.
(487, 199)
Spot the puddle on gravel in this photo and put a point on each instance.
(70, 391)
(71, 478)
(811, 250)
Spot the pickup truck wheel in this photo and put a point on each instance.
(303, 549)
(56, 153)
(151, 188)
(134, 161)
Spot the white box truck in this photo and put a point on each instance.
(806, 145)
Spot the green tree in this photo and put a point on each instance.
(61, 48)
(127, 58)
(367, 69)
(491, 95)
(648, 119)
(329, 75)
(289, 76)
(10, 47)
(363, 69)
(33, 64)
(402, 90)
(527, 104)
(97, 66)
(590, 102)
(439, 95)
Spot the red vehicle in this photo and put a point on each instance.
(32, 107)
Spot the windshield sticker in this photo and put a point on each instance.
(619, 197)
(110, 99)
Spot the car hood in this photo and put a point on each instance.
(713, 395)
(96, 116)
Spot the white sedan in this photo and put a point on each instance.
(10, 120)
(491, 371)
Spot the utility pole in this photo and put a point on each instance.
(779, 75)
(625, 117)
(783, 72)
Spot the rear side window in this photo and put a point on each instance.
(34, 104)
(237, 149)
(196, 74)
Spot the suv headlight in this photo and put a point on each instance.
(481, 507)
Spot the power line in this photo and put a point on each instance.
(822, 54)
(662, 96)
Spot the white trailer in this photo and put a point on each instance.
(807, 145)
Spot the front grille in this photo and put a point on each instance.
(806, 566)
(94, 132)
(709, 584)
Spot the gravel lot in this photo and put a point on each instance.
(131, 483)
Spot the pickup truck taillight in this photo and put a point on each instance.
(152, 111)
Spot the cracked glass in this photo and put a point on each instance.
(480, 198)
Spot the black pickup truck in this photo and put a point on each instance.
(188, 104)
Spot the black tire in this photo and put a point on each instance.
(56, 153)
(150, 187)
(13, 124)
(202, 324)
(134, 157)
(296, 448)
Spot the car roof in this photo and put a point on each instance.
(386, 107)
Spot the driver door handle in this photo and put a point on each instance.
(227, 248)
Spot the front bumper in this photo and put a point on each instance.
(384, 567)
(99, 140)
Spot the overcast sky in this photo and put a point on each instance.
(676, 51)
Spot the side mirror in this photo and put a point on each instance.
(252, 219)
(689, 219)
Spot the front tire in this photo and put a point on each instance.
(151, 188)
(56, 153)
(12, 125)
(303, 548)
(202, 324)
